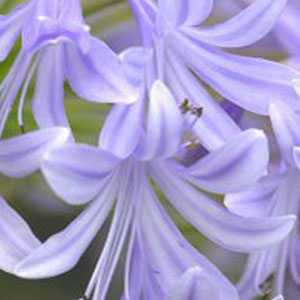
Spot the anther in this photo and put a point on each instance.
(186, 107)
(22, 128)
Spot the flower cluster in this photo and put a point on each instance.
(214, 133)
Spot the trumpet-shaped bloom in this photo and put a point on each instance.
(82, 174)
(137, 145)
(56, 45)
(141, 145)
(170, 29)
(276, 194)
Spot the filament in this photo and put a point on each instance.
(11, 86)
(24, 93)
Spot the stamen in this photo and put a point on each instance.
(195, 111)
(11, 86)
(24, 93)
(186, 107)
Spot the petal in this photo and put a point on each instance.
(233, 167)
(22, 155)
(214, 127)
(123, 126)
(134, 60)
(235, 112)
(187, 13)
(286, 125)
(16, 238)
(145, 14)
(247, 285)
(129, 191)
(54, 22)
(296, 154)
(164, 125)
(76, 173)
(134, 268)
(193, 285)
(255, 201)
(214, 221)
(294, 257)
(286, 29)
(168, 255)
(262, 269)
(62, 251)
(10, 29)
(48, 103)
(97, 75)
(251, 83)
(122, 129)
(246, 28)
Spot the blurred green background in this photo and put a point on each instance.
(47, 214)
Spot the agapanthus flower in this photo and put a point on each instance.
(82, 173)
(274, 195)
(141, 145)
(183, 49)
(56, 45)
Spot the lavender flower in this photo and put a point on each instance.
(141, 145)
(275, 195)
(169, 29)
(56, 44)
(80, 173)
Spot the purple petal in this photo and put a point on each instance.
(134, 268)
(164, 125)
(234, 111)
(249, 26)
(16, 238)
(294, 257)
(98, 75)
(213, 220)
(77, 173)
(48, 103)
(10, 29)
(251, 83)
(286, 29)
(55, 22)
(167, 255)
(130, 190)
(61, 251)
(123, 126)
(145, 15)
(285, 124)
(233, 167)
(186, 13)
(194, 285)
(122, 129)
(296, 154)
(134, 60)
(255, 201)
(22, 155)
